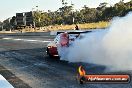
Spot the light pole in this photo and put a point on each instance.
(34, 10)
(34, 24)
(73, 20)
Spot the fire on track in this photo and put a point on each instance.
(27, 40)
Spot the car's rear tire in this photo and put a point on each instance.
(48, 53)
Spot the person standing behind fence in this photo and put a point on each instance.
(76, 27)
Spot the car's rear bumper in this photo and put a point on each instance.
(52, 51)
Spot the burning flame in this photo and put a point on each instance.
(81, 71)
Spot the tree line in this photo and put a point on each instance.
(67, 15)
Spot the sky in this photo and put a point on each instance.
(9, 8)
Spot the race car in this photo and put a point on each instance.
(63, 39)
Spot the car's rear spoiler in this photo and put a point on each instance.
(74, 32)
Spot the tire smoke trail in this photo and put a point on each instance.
(111, 47)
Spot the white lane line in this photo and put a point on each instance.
(26, 40)
(4, 83)
(7, 38)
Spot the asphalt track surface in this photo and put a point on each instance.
(24, 56)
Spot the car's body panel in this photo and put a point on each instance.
(63, 40)
(52, 49)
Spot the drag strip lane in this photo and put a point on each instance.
(26, 40)
(29, 62)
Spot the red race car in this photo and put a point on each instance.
(62, 39)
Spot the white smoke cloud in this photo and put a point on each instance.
(111, 47)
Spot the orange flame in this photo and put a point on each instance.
(81, 71)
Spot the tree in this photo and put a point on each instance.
(64, 2)
(103, 5)
(6, 24)
(1, 25)
(119, 8)
(88, 14)
(66, 14)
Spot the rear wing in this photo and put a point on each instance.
(74, 32)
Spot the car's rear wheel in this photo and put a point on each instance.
(48, 53)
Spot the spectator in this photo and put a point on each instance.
(76, 27)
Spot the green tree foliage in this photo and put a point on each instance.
(6, 24)
(88, 14)
(66, 14)
(1, 25)
(42, 18)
